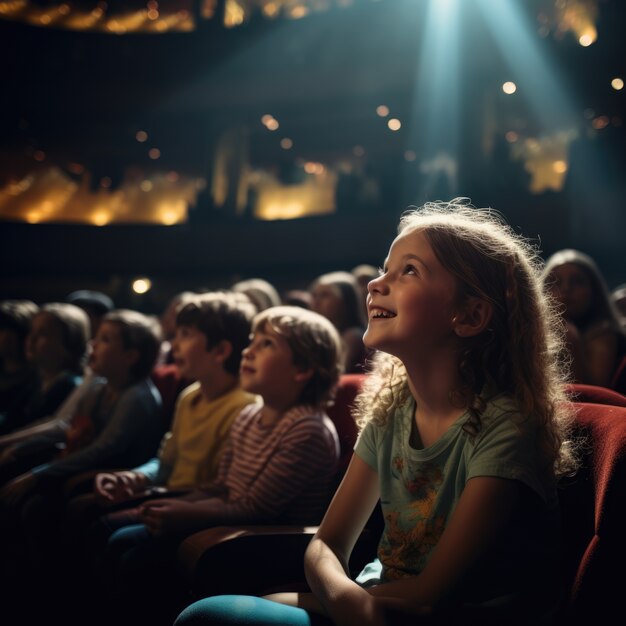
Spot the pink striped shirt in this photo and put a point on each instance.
(281, 473)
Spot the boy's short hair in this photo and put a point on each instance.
(75, 328)
(16, 315)
(138, 332)
(221, 316)
(315, 344)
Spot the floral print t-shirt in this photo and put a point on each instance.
(420, 488)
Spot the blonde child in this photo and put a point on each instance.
(464, 434)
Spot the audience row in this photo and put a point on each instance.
(104, 470)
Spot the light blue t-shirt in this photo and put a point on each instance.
(420, 489)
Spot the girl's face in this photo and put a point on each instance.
(327, 301)
(267, 367)
(109, 357)
(193, 360)
(44, 343)
(571, 286)
(411, 306)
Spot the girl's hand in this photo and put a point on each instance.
(358, 608)
(363, 609)
(163, 517)
(398, 611)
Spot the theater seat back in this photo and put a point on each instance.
(593, 506)
(341, 415)
(595, 394)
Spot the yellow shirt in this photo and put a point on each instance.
(200, 429)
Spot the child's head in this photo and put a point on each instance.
(129, 332)
(95, 303)
(206, 321)
(298, 297)
(260, 292)
(336, 296)
(505, 331)
(168, 318)
(15, 320)
(308, 341)
(575, 281)
(58, 338)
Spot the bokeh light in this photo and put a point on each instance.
(509, 87)
(141, 285)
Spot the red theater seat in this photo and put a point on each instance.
(598, 395)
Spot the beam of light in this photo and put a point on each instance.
(586, 168)
(436, 108)
(537, 81)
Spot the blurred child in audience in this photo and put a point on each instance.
(464, 431)
(95, 303)
(281, 458)
(117, 422)
(259, 291)
(298, 297)
(168, 325)
(595, 338)
(55, 346)
(18, 379)
(337, 297)
(364, 273)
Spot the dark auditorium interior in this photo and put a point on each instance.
(161, 153)
(198, 142)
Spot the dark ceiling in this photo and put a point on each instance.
(81, 96)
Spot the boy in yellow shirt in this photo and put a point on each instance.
(211, 332)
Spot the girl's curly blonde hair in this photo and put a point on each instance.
(521, 351)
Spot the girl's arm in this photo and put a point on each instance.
(326, 558)
(486, 506)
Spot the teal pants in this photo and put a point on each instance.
(237, 610)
